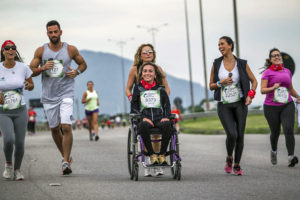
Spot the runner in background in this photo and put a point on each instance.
(178, 118)
(31, 121)
(91, 101)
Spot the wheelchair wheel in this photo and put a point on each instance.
(178, 171)
(129, 152)
(136, 171)
(173, 169)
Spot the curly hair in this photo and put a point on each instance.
(137, 57)
(159, 76)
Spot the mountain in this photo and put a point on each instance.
(105, 70)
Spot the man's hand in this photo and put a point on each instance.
(49, 65)
(149, 121)
(72, 73)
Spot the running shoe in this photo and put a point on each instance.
(93, 133)
(91, 137)
(70, 160)
(7, 174)
(162, 160)
(292, 160)
(147, 173)
(66, 168)
(158, 171)
(228, 166)
(273, 157)
(154, 159)
(238, 171)
(96, 138)
(17, 175)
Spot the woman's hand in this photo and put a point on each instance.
(248, 101)
(226, 81)
(164, 120)
(28, 85)
(1, 99)
(276, 85)
(149, 121)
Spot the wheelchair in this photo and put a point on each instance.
(136, 150)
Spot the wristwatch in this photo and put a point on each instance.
(219, 84)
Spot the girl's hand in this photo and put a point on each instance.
(149, 121)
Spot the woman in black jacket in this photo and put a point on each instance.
(152, 102)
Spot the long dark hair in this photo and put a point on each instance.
(159, 76)
(268, 62)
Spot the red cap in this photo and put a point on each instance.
(7, 42)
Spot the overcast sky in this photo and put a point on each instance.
(88, 24)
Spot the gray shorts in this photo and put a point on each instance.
(59, 113)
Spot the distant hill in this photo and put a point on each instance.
(104, 69)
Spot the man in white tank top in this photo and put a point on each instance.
(53, 61)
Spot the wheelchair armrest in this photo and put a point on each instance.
(135, 116)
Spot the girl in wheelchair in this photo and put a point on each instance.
(151, 101)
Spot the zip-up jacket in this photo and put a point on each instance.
(154, 114)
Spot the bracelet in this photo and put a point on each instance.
(130, 97)
(251, 94)
(219, 84)
(40, 69)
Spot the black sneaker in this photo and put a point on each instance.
(66, 168)
(293, 161)
(96, 138)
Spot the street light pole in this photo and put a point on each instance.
(236, 29)
(203, 55)
(121, 43)
(189, 54)
(152, 30)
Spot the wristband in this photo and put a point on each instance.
(219, 84)
(40, 69)
(130, 97)
(251, 94)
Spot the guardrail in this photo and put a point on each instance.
(212, 113)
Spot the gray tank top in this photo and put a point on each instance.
(57, 86)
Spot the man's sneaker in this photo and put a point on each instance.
(70, 160)
(17, 175)
(66, 168)
(228, 166)
(147, 173)
(158, 171)
(273, 157)
(293, 160)
(7, 174)
(96, 138)
(238, 171)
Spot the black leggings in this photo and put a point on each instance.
(233, 118)
(284, 115)
(165, 130)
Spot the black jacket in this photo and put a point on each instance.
(244, 78)
(154, 114)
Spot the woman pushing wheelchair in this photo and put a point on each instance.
(151, 101)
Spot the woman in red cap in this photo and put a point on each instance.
(15, 76)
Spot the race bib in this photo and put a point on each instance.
(12, 100)
(57, 70)
(230, 93)
(150, 99)
(31, 118)
(281, 95)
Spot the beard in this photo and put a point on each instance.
(55, 40)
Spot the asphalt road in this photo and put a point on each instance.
(100, 171)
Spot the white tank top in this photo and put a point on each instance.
(223, 73)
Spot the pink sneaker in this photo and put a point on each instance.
(228, 166)
(238, 171)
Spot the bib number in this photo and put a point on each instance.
(230, 94)
(281, 95)
(150, 99)
(12, 100)
(56, 71)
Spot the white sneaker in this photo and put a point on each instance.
(147, 173)
(18, 176)
(7, 174)
(158, 171)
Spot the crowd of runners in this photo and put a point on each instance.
(147, 89)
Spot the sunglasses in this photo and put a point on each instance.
(6, 48)
(146, 52)
(275, 55)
